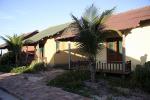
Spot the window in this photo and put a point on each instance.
(41, 49)
(120, 47)
(111, 46)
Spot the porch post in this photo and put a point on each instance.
(69, 56)
(1, 52)
(35, 52)
(123, 52)
(38, 50)
(26, 53)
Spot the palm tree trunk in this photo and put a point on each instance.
(16, 60)
(92, 74)
(93, 70)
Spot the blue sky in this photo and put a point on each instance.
(21, 16)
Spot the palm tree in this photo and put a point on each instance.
(91, 34)
(14, 45)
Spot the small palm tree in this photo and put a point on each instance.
(91, 34)
(14, 45)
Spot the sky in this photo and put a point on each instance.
(23, 16)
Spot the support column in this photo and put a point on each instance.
(35, 55)
(69, 55)
(26, 54)
(38, 52)
(123, 52)
(1, 52)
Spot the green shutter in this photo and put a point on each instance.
(120, 47)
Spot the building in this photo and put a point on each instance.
(57, 45)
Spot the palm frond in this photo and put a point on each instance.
(14, 43)
(77, 21)
(91, 30)
(90, 13)
(105, 15)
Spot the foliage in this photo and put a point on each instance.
(91, 33)
(36, 67)
(142, 76)
(70, 80)
(7, 59)
(20, 69)
(140, 79)
(126, 82)
(14, 45)
(33, 68)
(91, 30)
(5, 68)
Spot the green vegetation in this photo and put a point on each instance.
(91, 33)
(6, 68)
(21, 69)
(7, 59)
(14, 45)
(142, 76)
(36, 67)
(71, 81)
(33, 68)
(140, 79)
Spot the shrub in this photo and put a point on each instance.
(147, 64)
(142, 76)
(36, 67)
(19, 69)
(7, 59)
(70, 80)
(5, 68)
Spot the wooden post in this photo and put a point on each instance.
(35, 55)
(69, 56)
(1, 52)
(26, 53)
(123, 52)
(38, 51)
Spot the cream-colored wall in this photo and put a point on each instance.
(37, 52)
(62, 57)
(76, 55)
(137, 45)
(50, 50)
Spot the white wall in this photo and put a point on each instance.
(137, 45)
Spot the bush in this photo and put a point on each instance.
(5, 68)
(36, 67)
(7, 59)
(142, 76)
(19, 69)
(70, 80)
(33, 68)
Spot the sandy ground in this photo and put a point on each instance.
(33, 87)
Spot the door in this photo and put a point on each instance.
(114, 51)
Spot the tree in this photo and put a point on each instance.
(92, 34)
(14, 45)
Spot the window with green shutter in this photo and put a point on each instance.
(120, 47)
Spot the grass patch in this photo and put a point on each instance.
(36, 67)
(33, 68)
(19, 69)
(72, 81)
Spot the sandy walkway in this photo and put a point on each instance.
(32, 86)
